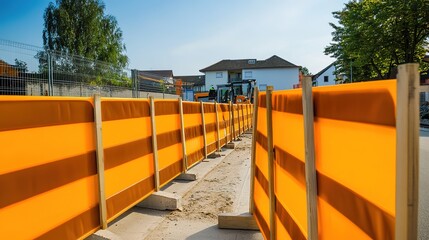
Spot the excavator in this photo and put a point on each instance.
(237, 92)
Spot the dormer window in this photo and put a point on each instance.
(251, 61)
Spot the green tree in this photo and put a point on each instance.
(80, 27)
(304, 71)
(22, 66)
(373, 37)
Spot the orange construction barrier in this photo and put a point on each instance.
(355, 156)
(47, 168)
(71, 165)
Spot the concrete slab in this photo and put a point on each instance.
(162, 201)
(243, 221)
(187, 176)
(214, 155)
(104, 235)
(230, 145)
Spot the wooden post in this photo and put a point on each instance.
(270, 144)
(248, 117)
(217, 127)
(231, 106)
(310, 164)
(407, 152)
(238, 119)
(204, 129)
(100, 161)
(154, 143)
(253, 156)
(182, 134)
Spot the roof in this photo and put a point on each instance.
(155, 75)
(322, 71)
(272, 62)
(196, 80)
(160, 73)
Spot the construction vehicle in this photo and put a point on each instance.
(237, 92)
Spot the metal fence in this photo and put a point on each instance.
(30, 70)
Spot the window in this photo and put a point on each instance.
(326, 78)
(262, 87)
(219, 75)
(248, 74)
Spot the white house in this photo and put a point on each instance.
(273, 71)
(326, 76)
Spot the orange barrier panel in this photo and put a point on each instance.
(193, 132)
(210, 118)
(128, 157)
(260, 198)
(225, 124)
(288, 136)
(170, 153)
(356, 179)
(47, 160)
(236, 120)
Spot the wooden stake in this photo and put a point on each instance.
(100, 161)
(217, 127)
(231, 107)
(238, 118)
(270, 144)
(182, 134)
(407, 152)
(310, 164)
(253, 159)
(204, 129)
(154, 143)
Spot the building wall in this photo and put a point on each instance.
(331, 77)
(279, 78)
(213, 78)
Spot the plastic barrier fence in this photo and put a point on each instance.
(128, 153)
(71, 165)
(48, 173)
(351, 192)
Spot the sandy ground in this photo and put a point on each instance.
(220, 191)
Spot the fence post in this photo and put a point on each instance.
(154, 143)
(238, 118)
(231, 108)
(217, 127)
(204, 129)
(50, 75)
(100, 161)
(407, 151)
(310, 164)
(270, 144)
(134, 83)
(182, 133)
(253, 157)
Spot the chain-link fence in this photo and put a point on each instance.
(30, 70)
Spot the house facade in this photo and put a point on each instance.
(273, 71)
(326, 76)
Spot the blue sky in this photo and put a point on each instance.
(188, 35)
